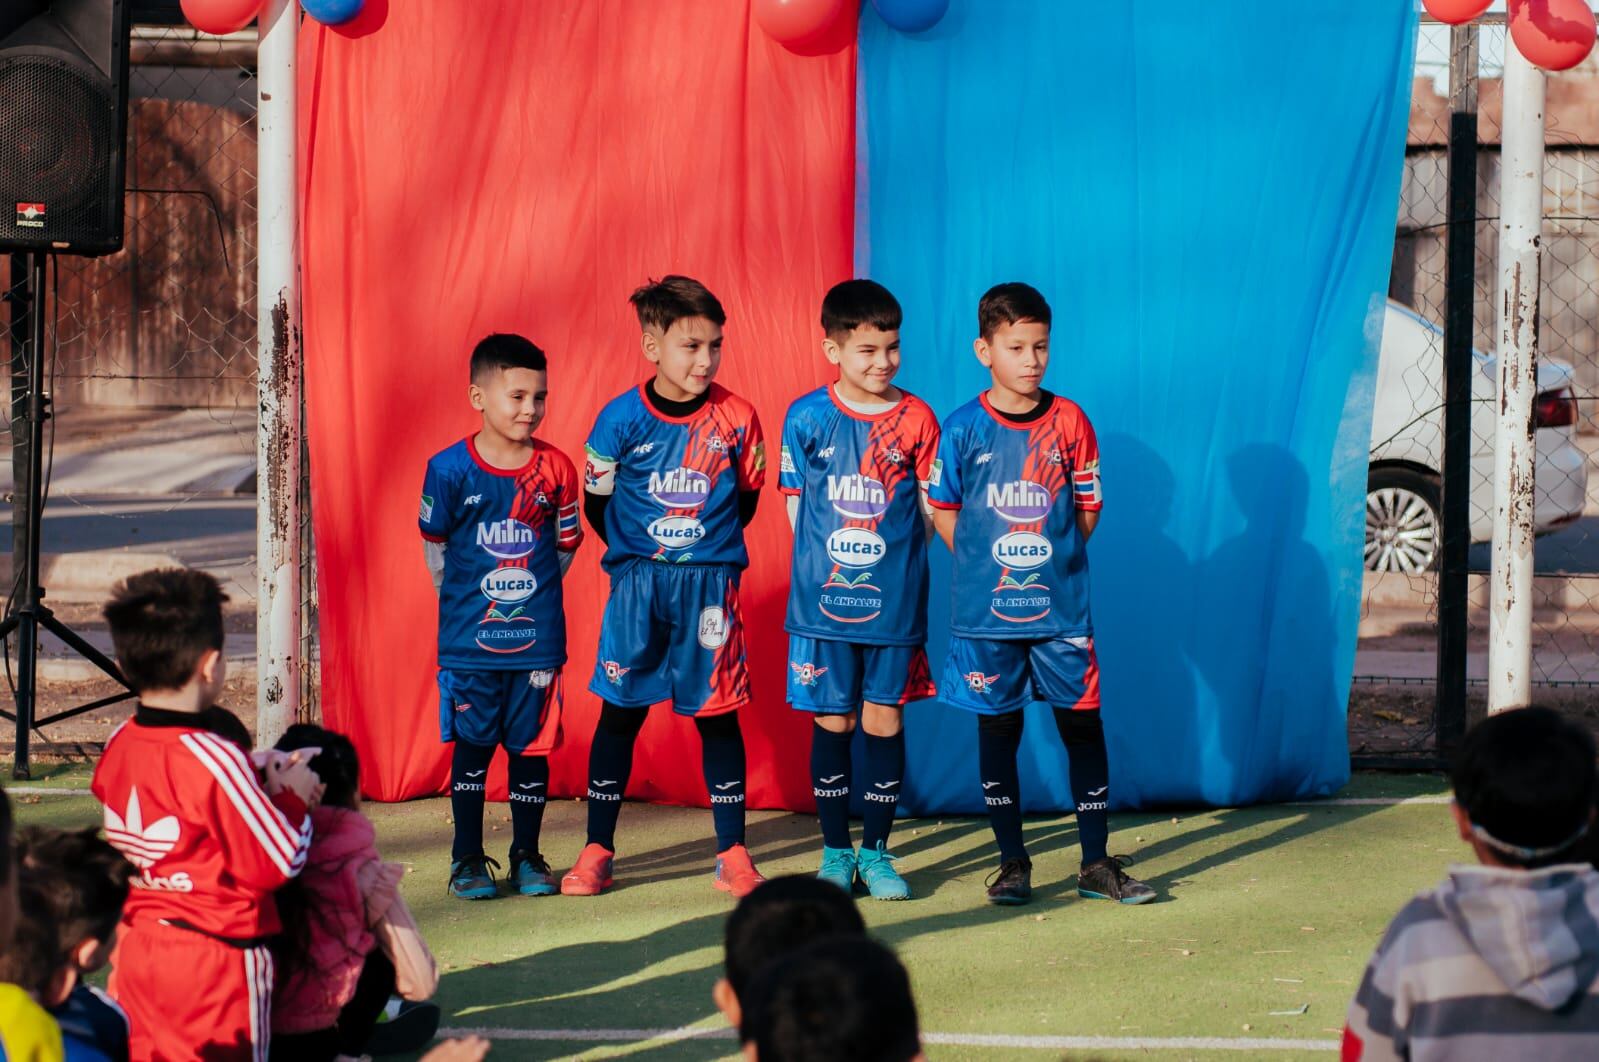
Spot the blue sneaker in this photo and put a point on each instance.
(470, 878)
(531, 875)
(838, 866)
(876, 868)
(1104, 879)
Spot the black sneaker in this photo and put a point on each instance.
(403, 1027)
(1104, 879)
(1012, 884)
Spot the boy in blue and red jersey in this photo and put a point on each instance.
(1015, 495)
(856, 456)
(675, 467)
(500, 520)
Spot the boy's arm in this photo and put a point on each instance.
(944, 488)
(1086, 493)
(568, 528)
(751, 469)
(944, 524)
(265, 839)
(435, 520)
(926, 456)
(791, 457)
(600, 455)
(1086, 522)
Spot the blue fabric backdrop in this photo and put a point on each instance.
(1207, 194)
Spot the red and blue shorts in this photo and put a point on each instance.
(831, 678)
(993, 677)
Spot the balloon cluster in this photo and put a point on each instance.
(230, 16)
(1552, 34)
(796, 22)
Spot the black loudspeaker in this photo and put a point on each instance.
(63, 125)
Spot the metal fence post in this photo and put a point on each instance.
(278, 437)
(1517, 304)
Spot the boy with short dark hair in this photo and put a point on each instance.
(499, 518)
(855, 461)
(837, 999)
(84, 882)
(1500, 960)
(776, 918)
(674, 472)
(1015, 495)
(211, 845)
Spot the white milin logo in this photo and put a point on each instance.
(143, 845)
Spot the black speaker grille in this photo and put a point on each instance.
(58, 135)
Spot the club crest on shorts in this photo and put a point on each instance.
(540, 680)
(613, 671)
(713, 627)
(978, 682)
(807, 673)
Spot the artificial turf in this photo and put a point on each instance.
(1265, 909)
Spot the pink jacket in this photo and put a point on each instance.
(347, 890)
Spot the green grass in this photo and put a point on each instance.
(1262, 909)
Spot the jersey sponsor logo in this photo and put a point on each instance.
(1023, 600)
(681, 488)
(807, 673)
(613, 671)
(508, 585)
(850, 597)
(1022, 549)
(1020, 501)
(713, 627)
(643, 448)
(984, 458)
(857, 497)
(826, 453)
(676, 532)
(508, 539)
(506, 632)
(472, 499)
(785, 459)
(758, 456)
(978, 682)
(427, 507)
(856, 547)
(540, 680)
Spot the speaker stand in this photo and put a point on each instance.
(30, 407)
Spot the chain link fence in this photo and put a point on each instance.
(152, 368)
(1392, 708)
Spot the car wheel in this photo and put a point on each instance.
(1402, 525)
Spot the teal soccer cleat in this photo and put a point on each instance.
(531, 875)
(470, 878)
(876, 868)
(838, 866)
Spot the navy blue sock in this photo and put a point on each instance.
(998, 738)
(469, 770)
(610, 764)
(530, 782)
(830, 784)
(1084, 736)
(885, 769)
(722, 749)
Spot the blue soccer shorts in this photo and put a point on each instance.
(518, 709)
(833, 678)
(993, 677)
(673, 632)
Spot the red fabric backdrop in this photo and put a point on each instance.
(475, 166)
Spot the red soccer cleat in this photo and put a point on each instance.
(592, 873)
(736, 873)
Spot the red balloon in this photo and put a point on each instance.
(796, 21)
(221, 16)
(1552, 34)
(1455, 12)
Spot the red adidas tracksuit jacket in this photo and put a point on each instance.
(191, 967)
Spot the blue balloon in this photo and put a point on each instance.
(911, 16)
(332, 12)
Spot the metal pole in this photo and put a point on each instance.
(278, 435)
(1520, 239)
(1459, 299)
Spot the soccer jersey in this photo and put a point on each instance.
(210, 847)
(674, 481)
(1021, 571)
(500, 606)
(860, 546)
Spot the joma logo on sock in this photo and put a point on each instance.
(998, 802)
(881, 798)
(842, 791)
(469, 787)
(719, 798)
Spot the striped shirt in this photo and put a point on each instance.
(1494, 963)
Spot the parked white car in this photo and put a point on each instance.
(1403, 485)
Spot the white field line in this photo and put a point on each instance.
(1045, 1043)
